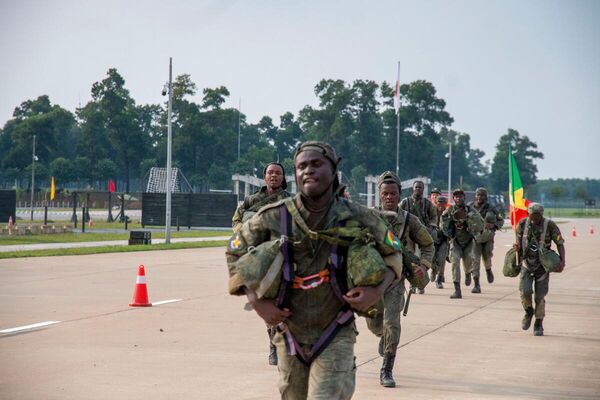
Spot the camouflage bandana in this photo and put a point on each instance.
(389, 177)
(320, 147)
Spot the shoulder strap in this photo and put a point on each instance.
(524, 237)
(406, 215)
(285, 225)
(542, 241)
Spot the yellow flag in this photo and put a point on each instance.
(52, 189)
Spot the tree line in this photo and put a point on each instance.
(113, 137)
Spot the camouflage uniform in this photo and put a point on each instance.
(455, 225)
(492, 215)
(255, 202)
(424, 210)
(332, 374)
(441, 248)
(387, 324)
(534, 278)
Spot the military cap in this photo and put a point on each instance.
(442, 200)
(535, 208)
(320, 147)
(458, 191)
(436, 190)
(283, 183)
(389, 177)
(481, 190)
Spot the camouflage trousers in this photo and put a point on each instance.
(387, 324)
(485, 251)
(458, 253)
(331, 375)
(439, 258)
(534, 283)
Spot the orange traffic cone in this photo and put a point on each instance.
(91, 223)
(140, 294)
(573, 232)
(10, 225)
(592, 230)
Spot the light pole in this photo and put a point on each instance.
(33, 157)
(239, 127)
(168, 189)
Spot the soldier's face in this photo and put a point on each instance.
(441, 207)
(434, 197)
(390, 196)
(480, 197)
(314, 173)
(459, 199)
(418, 189)
(274, 176)
(536, 218)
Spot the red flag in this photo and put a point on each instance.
(111, 186)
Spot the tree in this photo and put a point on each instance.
(525, 153)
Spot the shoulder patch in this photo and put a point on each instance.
(236, 242)
(392, 241)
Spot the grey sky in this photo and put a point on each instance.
(533, 66)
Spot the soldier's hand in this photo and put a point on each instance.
(561, 266)
(362, 297)
(516, 247)
(268, 311)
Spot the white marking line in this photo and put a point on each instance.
(27, 327)
(158, 303)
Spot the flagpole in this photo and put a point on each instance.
(398, 123)
(169, 139)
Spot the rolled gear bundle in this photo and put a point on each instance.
(259, 269)
(511, 267)
(549, 259)
(474, 223)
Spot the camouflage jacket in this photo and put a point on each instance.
(253, 203)
(490, 214)
(461, 224)
(531, 242)
(312, 310)
(414, 233)
(423, 209)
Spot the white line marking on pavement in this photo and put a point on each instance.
(27, 327)
(158, 303)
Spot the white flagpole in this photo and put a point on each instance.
(398, 122)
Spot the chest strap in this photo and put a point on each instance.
(335, 273)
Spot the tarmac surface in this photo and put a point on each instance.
(203, 345)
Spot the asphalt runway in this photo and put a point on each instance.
(203, 345)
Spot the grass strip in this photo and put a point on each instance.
(77, 251)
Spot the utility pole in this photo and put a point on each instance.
(32, 175)
(169, 139)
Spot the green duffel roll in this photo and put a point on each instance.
(247, 215)
(549, 259)
(511, 267)
(485, 236)
(259, 269)
(365, 265)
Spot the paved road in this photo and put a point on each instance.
(205, 346)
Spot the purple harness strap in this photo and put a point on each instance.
(344, 317)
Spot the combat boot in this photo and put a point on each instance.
(490, 275)
(438, 282)
(526, 322)
(385, 375)
(421, 291)
(467, 279)
(476, 287)
(538, 329)
(457, 294)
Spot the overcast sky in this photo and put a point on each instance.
(533, 66)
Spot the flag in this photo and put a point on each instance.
(111, 186)
(52, 189)
(397, 92)
(518, 204)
